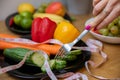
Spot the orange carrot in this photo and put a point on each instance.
(52, 49)
(24, 44)
(48, 48)
(4, 45)
(2, 35)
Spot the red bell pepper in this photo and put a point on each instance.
(34, 30)
(11, 22)
(43, 30)
(46, 29)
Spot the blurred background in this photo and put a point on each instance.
(76, 7)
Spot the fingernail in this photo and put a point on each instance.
(95, 28)
(88, 27)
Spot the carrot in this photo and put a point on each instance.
(4, 45)
(2, 35)
(48, 48)
(24, 44)
(51, 48)
(45, 47)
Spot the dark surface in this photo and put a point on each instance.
(17, 29)
(31, 72)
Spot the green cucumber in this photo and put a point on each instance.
(60, 64)
(17, 54)
(70, 56)
(51, 64)
(74, 52)
(43, 69)
(55, 64)
(38, 59)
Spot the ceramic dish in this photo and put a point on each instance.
(107, 39)
(26, 73)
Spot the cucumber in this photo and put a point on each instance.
(43, 69)
(17, 54)
(70, 56)
(38, 59)
(74, 52)
(51, 64)
(60, 64)
(55, 64)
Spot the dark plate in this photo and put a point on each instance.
(14, 28)
(17, 29)
(31, 72)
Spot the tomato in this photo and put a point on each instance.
(55, 8)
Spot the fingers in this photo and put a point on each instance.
(107, 13)
(99, 7)
(95, 2)
(99, 18)
(110, 5)
(114, 14)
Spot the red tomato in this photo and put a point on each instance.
(56, 8)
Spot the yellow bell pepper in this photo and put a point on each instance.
(66, 32)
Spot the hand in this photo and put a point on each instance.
(105, 11)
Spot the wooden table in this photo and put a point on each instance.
(109, 70)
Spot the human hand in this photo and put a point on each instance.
(105, 11)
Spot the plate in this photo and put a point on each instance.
(17, 29)
(26, 73)
(13, 27)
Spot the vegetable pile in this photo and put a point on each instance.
(16, 52)
(44, 26)
(48, 23)
(35, 59)
(26, 12)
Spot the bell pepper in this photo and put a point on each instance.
(55, 8)
(11, 22)
(43, 29)
(66, 32)
(34, 30)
